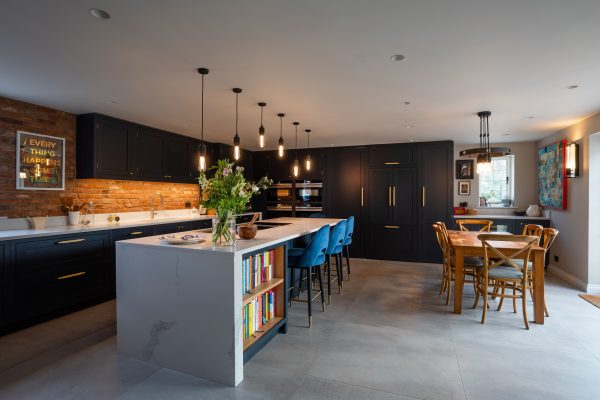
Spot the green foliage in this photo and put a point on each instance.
(228, 191)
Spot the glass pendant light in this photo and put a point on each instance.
(261, 129)
(280, 148)
(202, 147)
(484, 153)
(308, 149)
(296, 169)
(236, 138)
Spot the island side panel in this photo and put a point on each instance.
(179, 309)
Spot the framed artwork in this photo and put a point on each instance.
(552, 181)
(40, 162)
(464, 169)
(464, 188)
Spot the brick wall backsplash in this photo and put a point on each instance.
(107, 195)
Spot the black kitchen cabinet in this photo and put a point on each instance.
(149, 154)
(176, 154)
(164, 229)
(392, 154)
(280, 168)
(4, 287)
(56, 274)
(436, 194)
(132, 233)
(344, 190)
(318, 164)
(519, 224)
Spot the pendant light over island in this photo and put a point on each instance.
(261, 128)
(296, 168)
(236, 138)
(280, 147)
(307, 149)
(202, 149)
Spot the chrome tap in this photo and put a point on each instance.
(153, 212)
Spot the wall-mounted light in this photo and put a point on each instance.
(572, 160)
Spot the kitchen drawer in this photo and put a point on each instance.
(182, 226)
(37, 256)
(3, 261)
(391, 155)
(132, 233)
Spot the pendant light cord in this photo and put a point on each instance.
(202, 113)
(280, 127)
(236, 113)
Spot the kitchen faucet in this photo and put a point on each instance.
(153, 213)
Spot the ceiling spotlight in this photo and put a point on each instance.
(405, 103)
(412, 140)
(410, 126)
(572, 87)
(506, 134)
(111, 102)
(530, 117)
(98, 13)
(397, 57)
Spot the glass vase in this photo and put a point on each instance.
(223, 229)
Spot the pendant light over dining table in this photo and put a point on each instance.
(202, 149)
(484, 153)
(236, 138)
(261, 128)
(308, 149)
(280, 148)
(296, 168)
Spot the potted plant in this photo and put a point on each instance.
(72, 209)
(228, 193)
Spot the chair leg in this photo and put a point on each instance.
(328, 279)
(485, 300)
(478, 280)
(501, 297)
(320, 279)
(348, 260)
(524, 302)
(309, 300)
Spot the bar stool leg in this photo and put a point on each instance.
(340, 269)
(348, 259)
(308, 288)
(328, 279)
(293, 285)
(320, 278)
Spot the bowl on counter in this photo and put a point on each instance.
(247, 232)
(520, 213)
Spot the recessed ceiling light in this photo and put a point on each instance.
(410, 126)
(397, 57)
(572, 87)
(98, 13)
(111, 102)
(530, 117)
(405, 103)
(412, 140)
(506, 134)
(332, 144)
(186, 125)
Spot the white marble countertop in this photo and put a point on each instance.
(264, 238)
(98, 226)
(499, 216)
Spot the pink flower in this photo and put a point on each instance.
(227, 171)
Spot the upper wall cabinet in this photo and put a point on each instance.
(109, 148)
(392, 155)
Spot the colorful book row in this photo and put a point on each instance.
(258, 312)
(257, 269)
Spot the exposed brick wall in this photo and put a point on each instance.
(108, 195)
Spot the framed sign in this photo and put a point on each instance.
(40, 162)
(464, 169)
(464, 188)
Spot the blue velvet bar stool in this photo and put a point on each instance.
(348, 242)
(336, 243)
(309, 259)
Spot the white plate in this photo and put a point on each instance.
(183, 239)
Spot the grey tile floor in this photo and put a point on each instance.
(387, 336)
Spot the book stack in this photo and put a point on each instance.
(258, 312)
(257, 269)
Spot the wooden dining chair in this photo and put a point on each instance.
(471, 265)
(484, 224)
(500, 272)
(533, 230)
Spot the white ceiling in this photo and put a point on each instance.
(323, 63)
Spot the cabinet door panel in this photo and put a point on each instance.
(176, 162)
(112, 148)
(403, 196)
(380, 196)
(397, 243)
(148, 154)
(390, 155)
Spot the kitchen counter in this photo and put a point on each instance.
(181, 306)
(496, 216)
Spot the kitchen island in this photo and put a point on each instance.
(185, 307)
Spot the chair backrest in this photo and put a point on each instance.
(336, 238)
(443, 227)
(314, 253)
(494, 258)
(533, 230)
(349, 230)
(441, 234)
(317, 215)
(548, 237)
(486, 225)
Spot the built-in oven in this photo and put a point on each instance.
(308, 196)
(280, 196)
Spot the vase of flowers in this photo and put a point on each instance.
(228, 193)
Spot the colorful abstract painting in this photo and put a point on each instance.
(552, 184)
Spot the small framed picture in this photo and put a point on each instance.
(464, 188)
(464, 169)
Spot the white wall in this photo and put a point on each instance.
(572, 245)
(525, 178)
(594, 205)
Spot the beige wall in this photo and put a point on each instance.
(573, 243)
(525, 178)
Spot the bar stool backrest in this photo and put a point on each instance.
(336, 238)
(314, 253)
(349, 230)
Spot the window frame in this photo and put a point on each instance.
(510, 189)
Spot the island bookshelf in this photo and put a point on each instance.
(264, 277)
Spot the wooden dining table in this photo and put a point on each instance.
(466, 244)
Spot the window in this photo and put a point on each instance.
(496, 188)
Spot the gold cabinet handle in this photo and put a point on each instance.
(389, 196)
(76, 274)
(394, 196)
(392, 163)
(71, 241)
(423, 195)
(136, 233)
(391, 227)
(362, 197)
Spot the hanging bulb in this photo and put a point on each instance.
(308, 149)
(261, 139)
(261, 129)
(296, 169)
(484, 164)
(236, 147)
(280, 147)
(202, 158)
(202, 149)
(308, 163)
